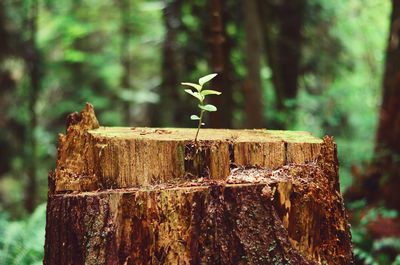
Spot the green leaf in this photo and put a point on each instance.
(74, 56)
(210, 92)
(195, 86)
(206, 78)
(195, 94)
(208, 107)
(194, 117)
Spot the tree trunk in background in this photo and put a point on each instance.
(32, 60)
(220, 63)
(282, 24)
(387, 149)
(382, 179)
(252, 87)
(167, 111)
(125, 58)
(5, 36)
(389, 121)
(8, 48)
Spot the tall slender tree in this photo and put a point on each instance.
(183, 48)
(388, 133)
(387, 151)
(221, 64)
(282, 23)
(125, 55)
(8, 48)
(381, 180)
(252, 89)
(167, 111)
(32, 61)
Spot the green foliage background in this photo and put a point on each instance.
(81, 50)
(22, 241)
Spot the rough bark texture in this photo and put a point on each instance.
(389, 122)
(382, 178)
(288, 212)
(220, 63)
(167, 110)
(282, 25)
(120, 157)
(387, 141)
(252, 87)
(32, 60)
(125, 54)
(74, 156)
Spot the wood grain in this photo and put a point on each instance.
(153, 196)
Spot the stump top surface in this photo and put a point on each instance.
(188, 134)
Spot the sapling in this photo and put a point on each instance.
(201, 95)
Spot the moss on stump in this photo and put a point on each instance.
(153, 196)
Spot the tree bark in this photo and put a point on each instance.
(282, 24)
(220, 64)
(177, 203)
(105, 156)
(382, 178)
(125, 54)
(32, 60)
(168, 112)
(387, 149)
(388, 132)
(252, 86)
(9, 47)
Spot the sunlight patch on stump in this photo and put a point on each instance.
(153, 196)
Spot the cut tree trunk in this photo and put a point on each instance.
(153, 196)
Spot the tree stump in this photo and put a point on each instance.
(153, 196)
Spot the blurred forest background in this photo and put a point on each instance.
(328, 67)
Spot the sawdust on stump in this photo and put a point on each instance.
(153, 196)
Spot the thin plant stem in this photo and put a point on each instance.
(198, 128)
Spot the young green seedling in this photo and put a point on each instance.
(201, 95)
